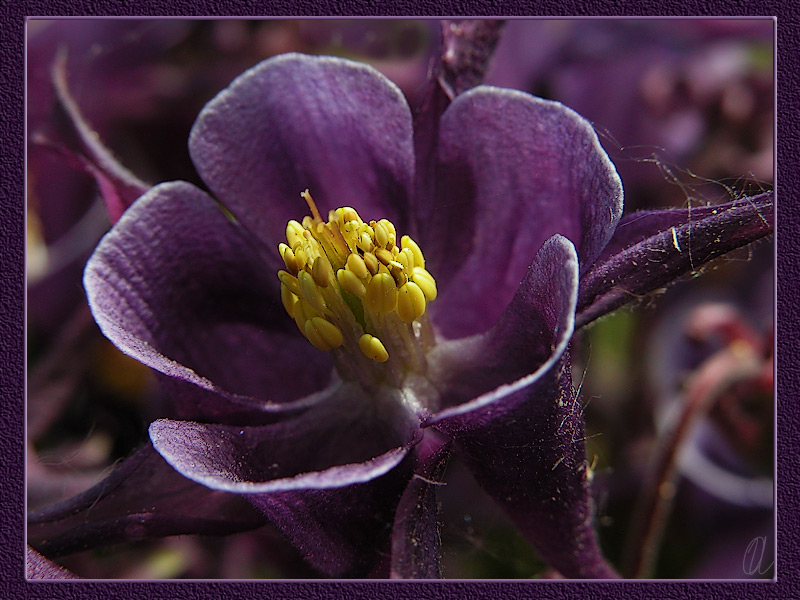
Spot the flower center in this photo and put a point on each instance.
(354, 292)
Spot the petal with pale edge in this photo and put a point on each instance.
(513, 171)
(181, 288)
(531, 459)
(142, 498)
(525, 343)
(329, 478)
(652, 249)
(523, 440)
(336, 127)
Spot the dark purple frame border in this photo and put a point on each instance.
(12, 377)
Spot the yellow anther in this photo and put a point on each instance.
(294, 233)
(321, 272)
(381, 294)
(389, 227)
(323, 334)
(289, 258)
(302, 312)
(412, 259)
(419, 259)
(351, 226)
(300, 256)
(288, 299)
(351, 214)
(410, 302)
(351, 283)
(381, 234)
(356, 264)
(373, 348)
(290, 282)
(405, 259)
(310, 292)
(425, 281)
(371, 261)
(383, 255)
(365, 242)
(396, 271)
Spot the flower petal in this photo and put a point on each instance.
(142, 498)
(178, 286)
(525, 344)
(344, 532)
(666, 245)
(336, 127)
(531, 459)
(329, 479)
(523, 440)
(345, 440)
(415, 537)
(513, 171)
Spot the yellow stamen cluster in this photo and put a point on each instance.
(348, 283)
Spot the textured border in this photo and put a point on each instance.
(12, 316)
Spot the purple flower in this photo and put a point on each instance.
(455, 338)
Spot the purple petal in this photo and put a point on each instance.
(142, 498)
(652, 262)
(38, 567)
(523, 440)
(345, 440)
(514, 170)
(329, 479)
(344, 532)
(531, 459)
(416, 545)
(524, 345)
(336, 127)
(177, 285)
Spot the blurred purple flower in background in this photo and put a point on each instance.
(455, 339)
(664, 94)
(719, 338)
